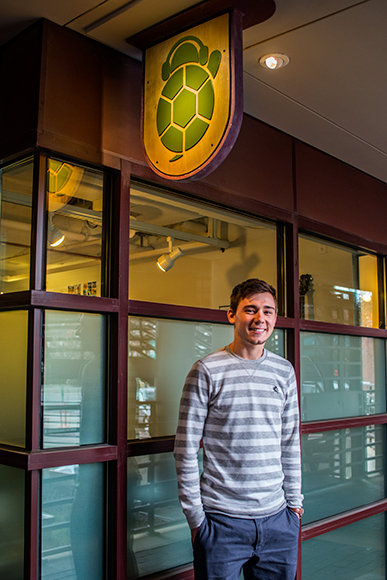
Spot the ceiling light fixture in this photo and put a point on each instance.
(54, 235)
(167, 261)
(274, 60)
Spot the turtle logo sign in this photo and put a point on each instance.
(187, 99)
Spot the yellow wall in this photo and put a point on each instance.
(13, 371)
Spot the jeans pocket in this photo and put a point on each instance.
(293, 516)
(201, 529)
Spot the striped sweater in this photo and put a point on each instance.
(246, 412)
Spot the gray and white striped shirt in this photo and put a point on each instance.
(246, 412)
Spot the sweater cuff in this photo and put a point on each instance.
(195, 518)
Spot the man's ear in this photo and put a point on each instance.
(230, 316)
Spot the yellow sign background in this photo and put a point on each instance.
(215, 35)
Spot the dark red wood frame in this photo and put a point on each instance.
(115, 453)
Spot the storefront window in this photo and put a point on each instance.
(342, 470)
(15, 226)
(12, 492)
(341, 376)
(161, 353)
(212, 250)
(74, 388)
(354, 552)
(337, 284)
(74, 228)
(158, 534)
(13, 376)
(73, 522)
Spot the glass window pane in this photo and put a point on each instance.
(15, 226)
(12, 493)
(161, 353)
(13, 376)
(74, 392)
(342, 470)
(337, 284)
(158, 534)
(341, 376)
(73, 522)
(355, 552)
(219, 250)
(74, 234)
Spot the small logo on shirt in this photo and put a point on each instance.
(275, 389)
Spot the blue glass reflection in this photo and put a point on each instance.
(74, 379)
(73, 523)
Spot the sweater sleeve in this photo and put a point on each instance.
(192, 415)
(290, 446)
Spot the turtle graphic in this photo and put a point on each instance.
(186, 105)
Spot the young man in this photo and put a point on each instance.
(245, 509)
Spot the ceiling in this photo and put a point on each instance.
(331, 95)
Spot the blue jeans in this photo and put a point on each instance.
(266, 548)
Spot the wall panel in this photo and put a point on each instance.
(334, 193)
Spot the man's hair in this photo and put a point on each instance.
(248, 288)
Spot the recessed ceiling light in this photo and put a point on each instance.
(274, 60)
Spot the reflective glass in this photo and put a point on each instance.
(73, 522)
(158, 534)
(337, 284)
(219, 250)
(161, 353)
(355, 552)
(15, 226)
(341, 376)
(12, 488)
(13, 376)
(74, 228)
(74, 390)
(342, 470)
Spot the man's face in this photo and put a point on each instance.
(253, 321)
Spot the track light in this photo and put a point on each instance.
(54, 235)
(167, 261)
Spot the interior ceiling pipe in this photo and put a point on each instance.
(26, 227)
(156, 230)
(149, 254)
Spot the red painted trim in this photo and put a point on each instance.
(381, 292)
(55, 458)
(38, 218)
(253, 12)
(158, 310)
(119, 357)
(44, 459)
(150, 446)
(54, 300)
(13, 300)
(57, 301)
(34, 365)
(322, 527)
(344, 423)
(330, 327)
(318, 229)
(172, 311)
(285, 322)
(184, 573)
